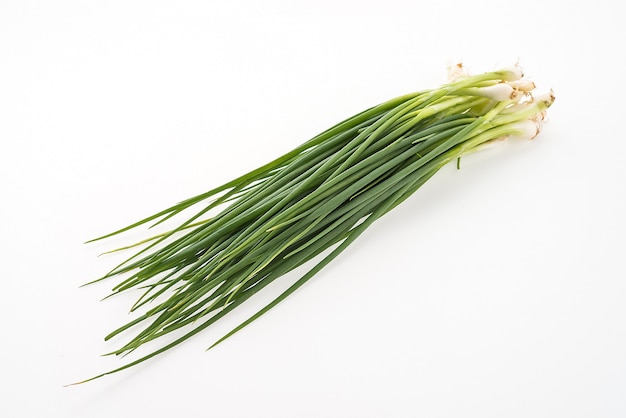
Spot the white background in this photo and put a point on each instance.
(495, 291)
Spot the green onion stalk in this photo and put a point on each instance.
(312, 201)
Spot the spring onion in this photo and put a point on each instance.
(313, 201)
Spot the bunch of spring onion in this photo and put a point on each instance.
(320, 196)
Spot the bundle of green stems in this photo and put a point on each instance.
(311, 203)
